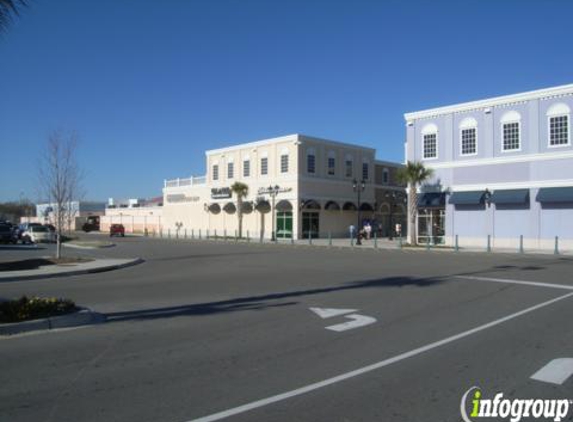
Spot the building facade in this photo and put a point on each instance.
(503, 168)
(298, 187)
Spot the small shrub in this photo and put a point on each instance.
(25, 308)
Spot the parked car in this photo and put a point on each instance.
(7, 233)
(90, 227)
(37, 234)
(117, 230)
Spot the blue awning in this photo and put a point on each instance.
(555, 195)
(432, 200)
(510, 196)
(467, 198)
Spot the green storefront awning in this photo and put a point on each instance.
(467, 198)
(555, 195)
(510, 196)
(432, 200)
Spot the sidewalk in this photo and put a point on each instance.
(48, 271)
(371, 244)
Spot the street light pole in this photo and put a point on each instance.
(273, 191)
(358, 188)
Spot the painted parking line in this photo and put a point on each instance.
(521, 282)
(375, 366)
(555, 372)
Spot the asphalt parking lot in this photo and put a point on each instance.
(223, 331)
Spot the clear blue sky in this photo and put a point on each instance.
(150, 85)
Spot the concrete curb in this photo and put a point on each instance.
(73, 272)
(71, 245)
(83, 317)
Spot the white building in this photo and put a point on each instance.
(299, 186)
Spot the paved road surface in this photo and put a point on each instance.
(201, 328)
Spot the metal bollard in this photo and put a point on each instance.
(248, 237)
(457, 245)
(520, 243)
(215, 234)
(329, 239)
(309, 237)
(291, 239)
(236, 236)
(375, 240)
(489, 242)
(193, 234)
(199, 234)
(556, 250)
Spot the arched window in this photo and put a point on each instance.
(511, 131)
(430, 141)
(468, 136)
(311, 160)
(558, 125)
(331, 163)
(284, 160)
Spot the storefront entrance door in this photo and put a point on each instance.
(284, 225)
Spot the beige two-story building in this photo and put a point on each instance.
(299, 187)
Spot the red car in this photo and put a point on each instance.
(117, 230)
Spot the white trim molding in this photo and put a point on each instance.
(557, 183)
(553, 92)
(504, 160)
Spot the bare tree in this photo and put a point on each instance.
(60, 180)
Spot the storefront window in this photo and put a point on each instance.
(310, 224)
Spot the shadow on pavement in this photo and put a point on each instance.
(262, 302)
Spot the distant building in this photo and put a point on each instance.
(299, 187)
(78, 211)
(503, 168)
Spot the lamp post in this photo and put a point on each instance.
(273, 191)
(358, 187)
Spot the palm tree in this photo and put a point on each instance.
(413, 174)
(7, 9)
(241, 190)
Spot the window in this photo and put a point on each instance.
(559, 130)
(230, 170)
(246, 168)
(311, 161)
(284, 163)
(511, 131)
(468, 136)
(264, 166)
(385, 176)
(558, 124)
(430, 146)
(348, 165)
(469, 146)
(216, 172)
(365, 171)
(331, 163)
(430, 141)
